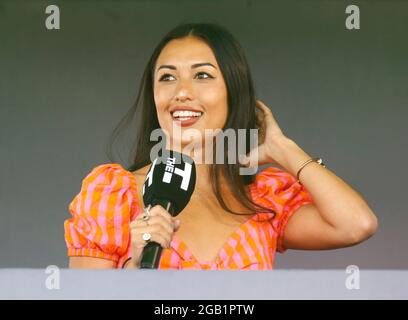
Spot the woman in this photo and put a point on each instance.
(198, 78)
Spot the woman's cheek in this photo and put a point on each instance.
(159, 99)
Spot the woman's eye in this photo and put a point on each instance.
(200, 75)
(163, 77)
(206, 74)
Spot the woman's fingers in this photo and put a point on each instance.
(158, 210)
(138, 244)
(156, 233)
(156, 220)
(271, 125)
(161, 227)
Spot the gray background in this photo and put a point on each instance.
(214, 285)
(339, 94)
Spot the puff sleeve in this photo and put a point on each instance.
(101, 213)
(279, 191)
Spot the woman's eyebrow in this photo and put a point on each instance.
(196, 65)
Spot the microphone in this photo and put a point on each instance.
(170, 183)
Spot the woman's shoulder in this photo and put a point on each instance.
(112, 168)
(273, 175)
(278, 188)
(109, 175)
(101, 213)
(106, 187)
(277, 184)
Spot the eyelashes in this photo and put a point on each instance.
(163, 77)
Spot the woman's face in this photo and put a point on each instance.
(189, 90)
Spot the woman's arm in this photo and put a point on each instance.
(340, 216)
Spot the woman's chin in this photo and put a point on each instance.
(185, 145)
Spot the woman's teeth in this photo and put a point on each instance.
(185, 115)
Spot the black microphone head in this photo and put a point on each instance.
(172, 178)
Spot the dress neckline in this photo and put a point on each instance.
(188, 254)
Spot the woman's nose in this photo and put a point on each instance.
(183, 91)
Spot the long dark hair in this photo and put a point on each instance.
(241, 109)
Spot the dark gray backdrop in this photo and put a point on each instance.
(339, 94)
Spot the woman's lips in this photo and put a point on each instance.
(186, 118)
(186, 121)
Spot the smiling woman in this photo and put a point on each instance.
(198, 78)
(188, 79)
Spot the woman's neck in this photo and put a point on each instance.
(203, 181)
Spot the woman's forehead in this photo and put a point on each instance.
(186, 51)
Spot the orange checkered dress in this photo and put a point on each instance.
(107, 203)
